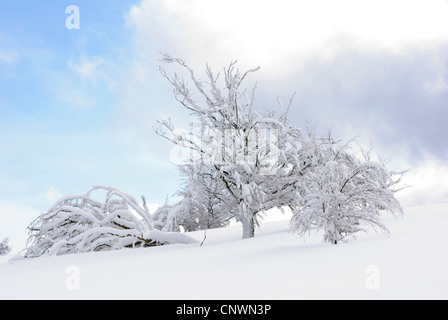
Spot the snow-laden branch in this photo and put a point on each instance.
(340, 193)
(4, 247)
(81, 224)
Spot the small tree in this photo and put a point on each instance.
(4, 247)
(82, 224)
(203, 203)
(341, 193)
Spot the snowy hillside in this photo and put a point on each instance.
(411, 264)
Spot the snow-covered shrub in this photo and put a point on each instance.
(172, 217)
(202, 205)
(81, 224)
(190, 214)
(341, 194)
(4, 247)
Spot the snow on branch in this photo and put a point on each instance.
(4, 247)
(340, 194)
(81, 224)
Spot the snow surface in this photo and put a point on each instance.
(411, 264)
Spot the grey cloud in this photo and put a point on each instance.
(400, 100)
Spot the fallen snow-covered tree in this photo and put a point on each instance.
(81, 224)
(4, 247)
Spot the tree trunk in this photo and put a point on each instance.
(248, 226)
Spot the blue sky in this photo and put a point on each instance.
(77, 107)
(60, 132)
(58, 124)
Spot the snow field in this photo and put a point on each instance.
(411, 264)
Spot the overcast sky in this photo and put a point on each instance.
(78, 106)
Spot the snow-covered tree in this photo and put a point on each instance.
(341, 194)
(80, 224)
(4, 247)
(202, 205)
(253, 155)
(262, 162)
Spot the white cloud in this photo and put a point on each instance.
(76, 97)
(428, 183)
(381, 63)
(87, 68)
(285, 33)
(9, 53)
(80, 92)
(7, 57)
(53, 194)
